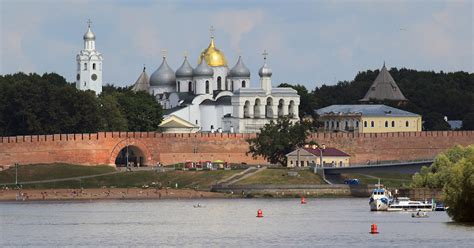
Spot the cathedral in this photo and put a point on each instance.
(213, 98)
(208, 98)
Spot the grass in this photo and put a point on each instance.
(51, 171)
(280, 177)
(391, 180)
(185, 179)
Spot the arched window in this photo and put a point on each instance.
(372, 123)
(291, 109)
(393, 123)
(357, 124)
(365, 123)
(346, 125)
(232, 85)
(386, 123)
(93, 66)
(207, 87)
(256, 109)
(85, 66)
(407, 124)
(190, 86)
(179, 86)
(280, 107)
(243, 84)
(246, 109)
(332, 124)
(268, 108)
(219, 83)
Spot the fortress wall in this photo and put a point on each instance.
(102, 147)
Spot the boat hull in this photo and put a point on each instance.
(378, 205)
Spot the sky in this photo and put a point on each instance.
(308, 42)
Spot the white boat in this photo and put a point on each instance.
(405, 204)
(380, 199)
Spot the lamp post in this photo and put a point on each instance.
(16, 173)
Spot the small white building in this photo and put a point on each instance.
(311, 156)
(89, 65)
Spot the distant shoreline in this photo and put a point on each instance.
(38, 195)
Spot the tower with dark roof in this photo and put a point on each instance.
(384, 88)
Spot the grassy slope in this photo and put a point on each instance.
(280, 176)
(185, 179)
(387, 179)
(51, 171)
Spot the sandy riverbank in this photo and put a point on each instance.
(103, 194)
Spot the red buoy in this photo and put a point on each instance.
(303, 200)
(373, 229)
(259, 213)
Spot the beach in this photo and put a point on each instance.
(103, 194)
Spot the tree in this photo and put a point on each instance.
(142, 111)
(434, 121)
(112, 118)
(276, 139)
(452, 171)
(468, 122)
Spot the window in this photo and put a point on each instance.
(190, 86)
(196, 122)
(85, 66)
(357, 124)
(93, 66)
(291, 161)
(393, 123)
(232, 85)
(407, 124)
(243, 84)
(372, 123)
(365, 123)
(386, 123)
(219, 83)
(207, 87)
(337, 124)
(179, 86)
(347, 124)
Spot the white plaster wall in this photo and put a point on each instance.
(220, 71)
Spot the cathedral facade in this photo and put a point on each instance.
(213, 98)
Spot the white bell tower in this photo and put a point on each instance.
(89, 65)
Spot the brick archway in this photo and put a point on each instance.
(131, 142)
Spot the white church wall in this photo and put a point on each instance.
(219, 71)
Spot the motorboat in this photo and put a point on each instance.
(419, 214)
(405, 204)
(380, 199)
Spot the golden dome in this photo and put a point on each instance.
(213, 56)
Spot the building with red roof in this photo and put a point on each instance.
(312, 156)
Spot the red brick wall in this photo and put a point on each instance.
(102, 148)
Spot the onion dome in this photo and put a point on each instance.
(265, 71)
(89, 35)
(185, 71)
(203, 70)
(213, 56)
(240, 70)
(164, 75)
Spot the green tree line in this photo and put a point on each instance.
(47, 104)
(431, 94)
(452, 171)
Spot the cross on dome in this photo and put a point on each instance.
(164, 51)
(211, 31)
(265, 54)
(89, 22)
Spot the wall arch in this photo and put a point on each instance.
(135, 143)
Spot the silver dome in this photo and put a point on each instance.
(203, 70)
(240, 70)
(185, 71)
(164, 75)
(89, 35)
(265, 71)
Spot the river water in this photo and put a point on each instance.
(222, 223)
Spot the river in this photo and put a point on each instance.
(222, 223)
